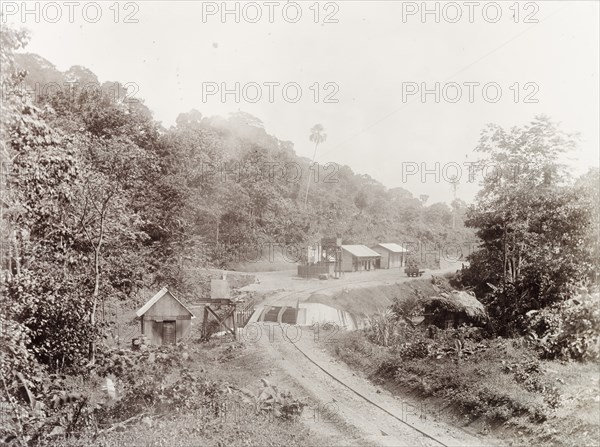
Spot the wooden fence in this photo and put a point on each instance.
(314, 270)
(244, 312)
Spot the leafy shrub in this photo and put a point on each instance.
(14, 355)
(569, 330)
(408, 306)
(382, 327)
(152, 382)
(472, 384)
(418, 349)
(472, 333)
(56, 315)
(552, 398)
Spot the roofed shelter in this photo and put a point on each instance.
(450, 310)
(165, 320)
(392, 255)
(357, 258)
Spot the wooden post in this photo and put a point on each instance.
(205, 323)
(234, 322)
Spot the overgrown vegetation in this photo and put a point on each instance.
(125, 388)
(100, 201)
(483, 382)
(568, 330)
(538, 227)
(540, 385)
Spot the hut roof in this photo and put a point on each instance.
(458, 301)
(361, 251)
(394, 248)
(146, 307)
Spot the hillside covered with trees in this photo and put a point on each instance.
(138, 199)
(100, 201)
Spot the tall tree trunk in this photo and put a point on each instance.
(97, 250)
(92, 352)
(505, 256)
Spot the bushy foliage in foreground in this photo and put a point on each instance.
(568, 330)
(55, 314)
(125, 386)
(479, 378)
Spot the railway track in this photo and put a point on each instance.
(366, 399)
(377, 407)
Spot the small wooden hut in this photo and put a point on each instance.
(165, 320)
(451, 309)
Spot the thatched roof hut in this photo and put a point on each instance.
(450, 309)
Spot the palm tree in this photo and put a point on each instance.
(317, 136)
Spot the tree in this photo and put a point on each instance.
(530, 220)
(438, 214)
(588, 186)
(43, 177)
(361, 200)
(114, 169)
(317, 136)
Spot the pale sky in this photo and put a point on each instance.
(374, 52)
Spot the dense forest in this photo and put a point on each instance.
(100, 201)
(124, 197)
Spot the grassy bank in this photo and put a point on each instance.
(369, 300)
(494, 385)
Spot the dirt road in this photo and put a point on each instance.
(285, 288)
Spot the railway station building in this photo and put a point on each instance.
(357, 258)
(392, 255)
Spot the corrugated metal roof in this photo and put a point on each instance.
(146, 307)
(360, 251)
(394, 248)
